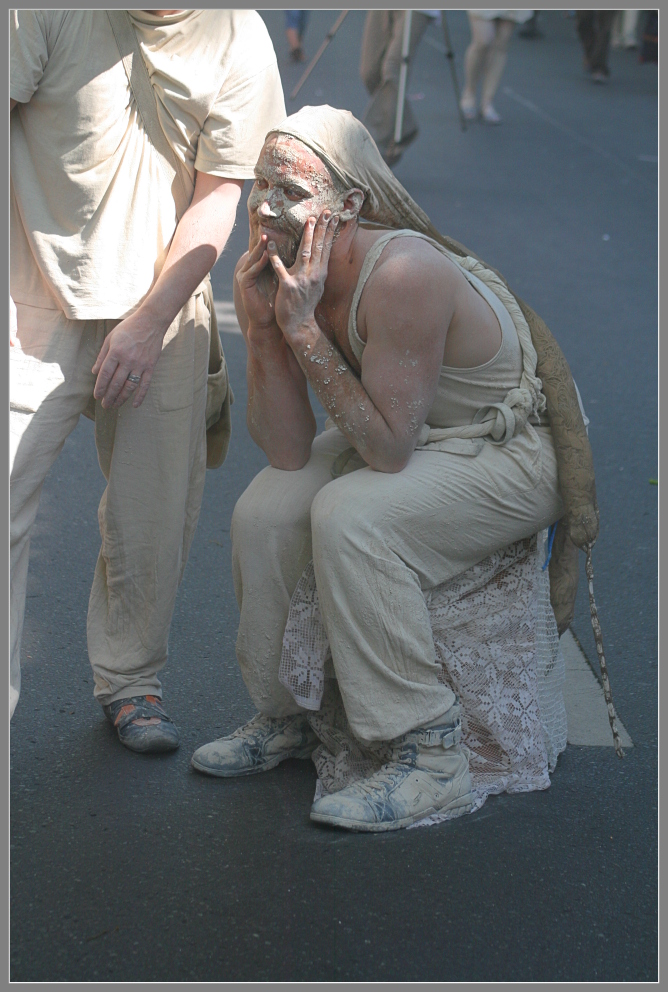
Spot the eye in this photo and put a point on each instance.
(295, 194)
(261, 183)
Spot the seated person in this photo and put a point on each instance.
(429, 379)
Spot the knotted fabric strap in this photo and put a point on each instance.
(497, 422)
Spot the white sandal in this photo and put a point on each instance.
(490, 115)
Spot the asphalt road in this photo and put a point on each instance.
(136, 869)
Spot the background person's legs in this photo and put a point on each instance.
(380, 115)
(154, 461)
(598, 51)
(50, 385)
(585, 26)
(482, 38)
(375, 39)
(271, 546)
(498, 54)
(295, 26)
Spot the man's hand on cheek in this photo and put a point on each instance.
(300, 287)
(126, 361)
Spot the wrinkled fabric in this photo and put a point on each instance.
(153, 458)
(379, 542)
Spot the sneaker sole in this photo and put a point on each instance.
(462, 804)
(266, 767)
(148, 745)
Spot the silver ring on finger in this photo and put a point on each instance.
(136, 379)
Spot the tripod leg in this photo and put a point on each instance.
(316, 58)
(403, 75)
(451, 59)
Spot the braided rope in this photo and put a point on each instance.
(598, 637)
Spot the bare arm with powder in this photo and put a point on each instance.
(381, 414)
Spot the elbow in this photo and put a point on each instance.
(390, 462)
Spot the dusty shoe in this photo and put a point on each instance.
(256, 747)
(142, 724)
(428, 773)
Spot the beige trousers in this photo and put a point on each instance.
(380, 64)
(378, 542)
(153, 459)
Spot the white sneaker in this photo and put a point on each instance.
(259, 745)
(427, 773)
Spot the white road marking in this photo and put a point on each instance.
(226, 317)
(586, 710)
(574, 134)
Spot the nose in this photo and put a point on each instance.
(265, 210)
(272, 204)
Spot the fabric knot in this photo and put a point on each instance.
(501, 428)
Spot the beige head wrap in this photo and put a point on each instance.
(350, 153)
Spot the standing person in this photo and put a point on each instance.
(594, 28)
(485, 59)
(113, 300)
(295, 26)
(380, 64)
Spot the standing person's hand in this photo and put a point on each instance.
(126, 361)
(300, 288)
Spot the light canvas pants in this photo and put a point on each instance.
(378, 542)
(153, 459)
(380, 65)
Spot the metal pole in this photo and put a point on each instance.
(403, 75)
(316, 58)
(451, 59)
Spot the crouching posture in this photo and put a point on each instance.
(437, 453)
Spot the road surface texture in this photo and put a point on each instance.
(130, 868)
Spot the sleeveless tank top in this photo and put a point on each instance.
(461, 392)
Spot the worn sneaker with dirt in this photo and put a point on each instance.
(259, 745)
(427, 773)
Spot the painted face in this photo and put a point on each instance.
(291, 185)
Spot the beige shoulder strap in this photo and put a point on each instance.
(370, 259)
(144, 94)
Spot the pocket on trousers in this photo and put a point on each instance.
(216, 392)
(181, 365)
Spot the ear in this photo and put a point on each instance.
(352, 204)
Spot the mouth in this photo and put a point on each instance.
(271, 231)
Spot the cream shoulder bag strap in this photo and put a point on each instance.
(142, 90)
(219, 395)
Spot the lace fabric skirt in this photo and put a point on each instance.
(496, 640)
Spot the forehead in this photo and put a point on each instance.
(291, 158)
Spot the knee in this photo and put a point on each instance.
(341, 528)
(271, 505)
(503, 36)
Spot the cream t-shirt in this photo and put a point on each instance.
(92, 212)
